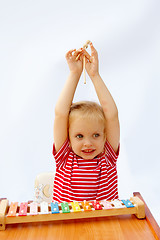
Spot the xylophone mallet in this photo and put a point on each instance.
(85, 46)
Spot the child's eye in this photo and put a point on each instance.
(96, 135)
(79, 136)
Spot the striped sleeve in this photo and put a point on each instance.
(62, 154)
(110, 154)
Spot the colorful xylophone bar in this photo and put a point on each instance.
(34, 212)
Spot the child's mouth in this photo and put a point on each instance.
(88, 151)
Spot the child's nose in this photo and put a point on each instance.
(87, 143)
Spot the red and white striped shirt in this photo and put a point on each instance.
(77, 179)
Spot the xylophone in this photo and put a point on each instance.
(33, 212)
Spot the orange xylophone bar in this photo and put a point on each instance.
(43, 212)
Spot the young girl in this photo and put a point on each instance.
(86, 137)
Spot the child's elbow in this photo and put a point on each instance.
(110, 113)
(60, 113)
(113, 115)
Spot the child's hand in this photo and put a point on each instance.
(75, 65)
(91, 62)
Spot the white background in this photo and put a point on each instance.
(34, 38)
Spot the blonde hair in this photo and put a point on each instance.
(86, 109)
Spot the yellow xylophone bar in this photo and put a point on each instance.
(138, 209)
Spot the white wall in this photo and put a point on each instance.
(35, 36)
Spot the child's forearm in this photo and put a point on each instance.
(65, 100)
(105, 98)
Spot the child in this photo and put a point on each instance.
(86, 137)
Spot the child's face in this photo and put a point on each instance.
(87, 137)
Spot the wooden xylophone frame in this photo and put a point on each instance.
(138, 210)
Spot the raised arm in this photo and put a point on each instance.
(65, 99)
(105, 98)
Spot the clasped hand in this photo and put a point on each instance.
(75, 61)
